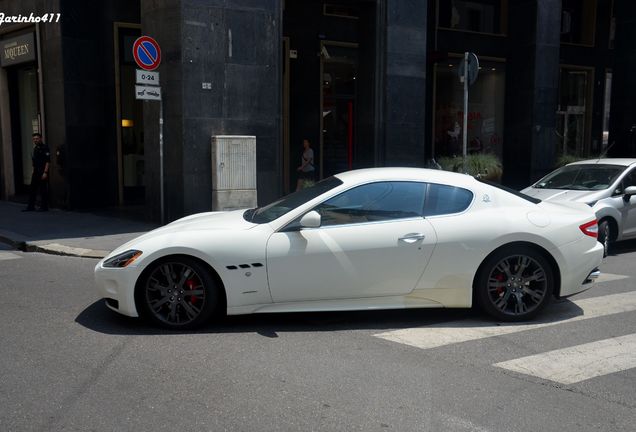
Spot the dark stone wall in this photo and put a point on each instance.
(236, 47)
(405, 83)
(623, 108)
(532, 80)
(163, 21)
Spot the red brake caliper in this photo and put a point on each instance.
(500, 278)
(191, 284)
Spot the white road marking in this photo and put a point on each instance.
(4, 256)
(578, 363)
(462, 331)
(608, 277)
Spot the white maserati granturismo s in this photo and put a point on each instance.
(380, 238)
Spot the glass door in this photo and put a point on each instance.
(339, 65)
(25, 124)
(130, 121)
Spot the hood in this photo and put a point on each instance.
(226, 220)
(562, 195)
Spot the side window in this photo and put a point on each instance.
(442, 199)
(374, 202)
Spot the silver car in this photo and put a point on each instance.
(606, 185)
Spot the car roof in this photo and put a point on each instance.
(418, 174)
(607, 161)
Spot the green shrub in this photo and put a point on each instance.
(486, 165)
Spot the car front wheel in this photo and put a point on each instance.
(177, 293)
(514, 284)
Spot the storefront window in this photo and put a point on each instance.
(485, 110)
(483, 16)
(578, 21)
(572, 111)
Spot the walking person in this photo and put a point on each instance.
(41, 158)
(306, 169)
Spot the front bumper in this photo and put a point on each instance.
(118, 284)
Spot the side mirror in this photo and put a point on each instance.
(629, 191)
(311, 220)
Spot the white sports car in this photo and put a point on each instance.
(380, 238)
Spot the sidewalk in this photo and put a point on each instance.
(64, 232)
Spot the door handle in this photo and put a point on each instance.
(412, 237)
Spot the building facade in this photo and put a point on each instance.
(368, 82)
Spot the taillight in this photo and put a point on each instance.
(590, 228)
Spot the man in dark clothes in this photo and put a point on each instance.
(41, 158)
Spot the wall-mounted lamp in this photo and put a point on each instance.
(126, 123)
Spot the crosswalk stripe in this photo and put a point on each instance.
(467, 330)
(608, 277)
(578, 363)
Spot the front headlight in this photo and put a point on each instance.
(123, 259)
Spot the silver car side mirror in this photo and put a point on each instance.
(311, 220)
(629, 191)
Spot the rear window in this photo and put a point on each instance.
(511, 191)
(444, 199)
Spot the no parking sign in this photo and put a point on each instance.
(147, 53)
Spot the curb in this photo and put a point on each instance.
(58, 249)
(52, 248)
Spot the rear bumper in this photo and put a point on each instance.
(581, 260)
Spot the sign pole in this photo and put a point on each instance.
(465, 134)
(161, 161)
(147, 55)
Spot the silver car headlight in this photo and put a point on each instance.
(123, 259)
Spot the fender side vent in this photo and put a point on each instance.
(231, 267)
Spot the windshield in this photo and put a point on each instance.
(286, 204)
(584, 177)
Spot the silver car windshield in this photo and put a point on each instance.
(585, 177)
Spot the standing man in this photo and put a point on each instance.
(41, 158)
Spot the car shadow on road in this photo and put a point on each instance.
(97, 317)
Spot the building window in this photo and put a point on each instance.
(573, 111)
(481, 16)
(578, 18)
(485, 109)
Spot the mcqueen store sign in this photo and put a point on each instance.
(16, 50)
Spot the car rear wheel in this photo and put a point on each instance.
(604, 236)
(178, 293)
(514, 284)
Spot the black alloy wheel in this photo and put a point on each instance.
(178, 293)
(515, 284)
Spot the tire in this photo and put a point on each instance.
(177, 293)
(604, 236)
(514, 283)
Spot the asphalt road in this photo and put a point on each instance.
(67, 363)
